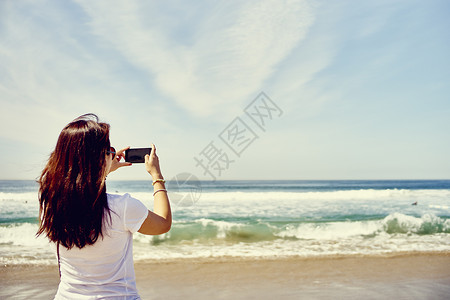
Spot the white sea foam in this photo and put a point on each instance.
(383, 244)
(439, 206)
(18, 205)
(223, 227)
(19, 244)
(430, 197)
(362, 194)
(319, 239)
(25, 205)
(264, 224)
(290, 205)
(396, 223)
(210, 197)
(330, 231)
(21, 235)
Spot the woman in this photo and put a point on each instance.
(92, 230)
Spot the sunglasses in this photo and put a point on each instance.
(112, 151)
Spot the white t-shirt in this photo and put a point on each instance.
(105, 270)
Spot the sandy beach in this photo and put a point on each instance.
(418, 276)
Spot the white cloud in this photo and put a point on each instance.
(48, 77)
(229, 56)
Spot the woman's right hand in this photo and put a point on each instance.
(152, 164)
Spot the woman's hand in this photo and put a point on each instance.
(117, 163)
(152, 164)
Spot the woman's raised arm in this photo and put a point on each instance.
(160, 220)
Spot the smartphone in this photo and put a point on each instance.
(136, 155)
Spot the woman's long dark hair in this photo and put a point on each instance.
(72, 192)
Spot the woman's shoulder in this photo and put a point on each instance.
(131, 211)
(117, 198)
(118, 203)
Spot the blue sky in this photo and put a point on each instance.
(363, 85)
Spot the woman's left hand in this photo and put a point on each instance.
(117, 163)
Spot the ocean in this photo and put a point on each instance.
(260, 219)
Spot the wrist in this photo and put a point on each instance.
(158, 185)
(156, 176)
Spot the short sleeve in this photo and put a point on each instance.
(135, 213)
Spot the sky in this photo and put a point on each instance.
(231, 90)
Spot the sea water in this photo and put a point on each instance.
(260, 219)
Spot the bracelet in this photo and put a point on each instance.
(158, 180)
(161, 190)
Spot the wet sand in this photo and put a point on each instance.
(418, 276)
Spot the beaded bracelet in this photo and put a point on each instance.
(158, 180)
(161, 190)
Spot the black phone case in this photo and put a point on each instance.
(136, 155)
